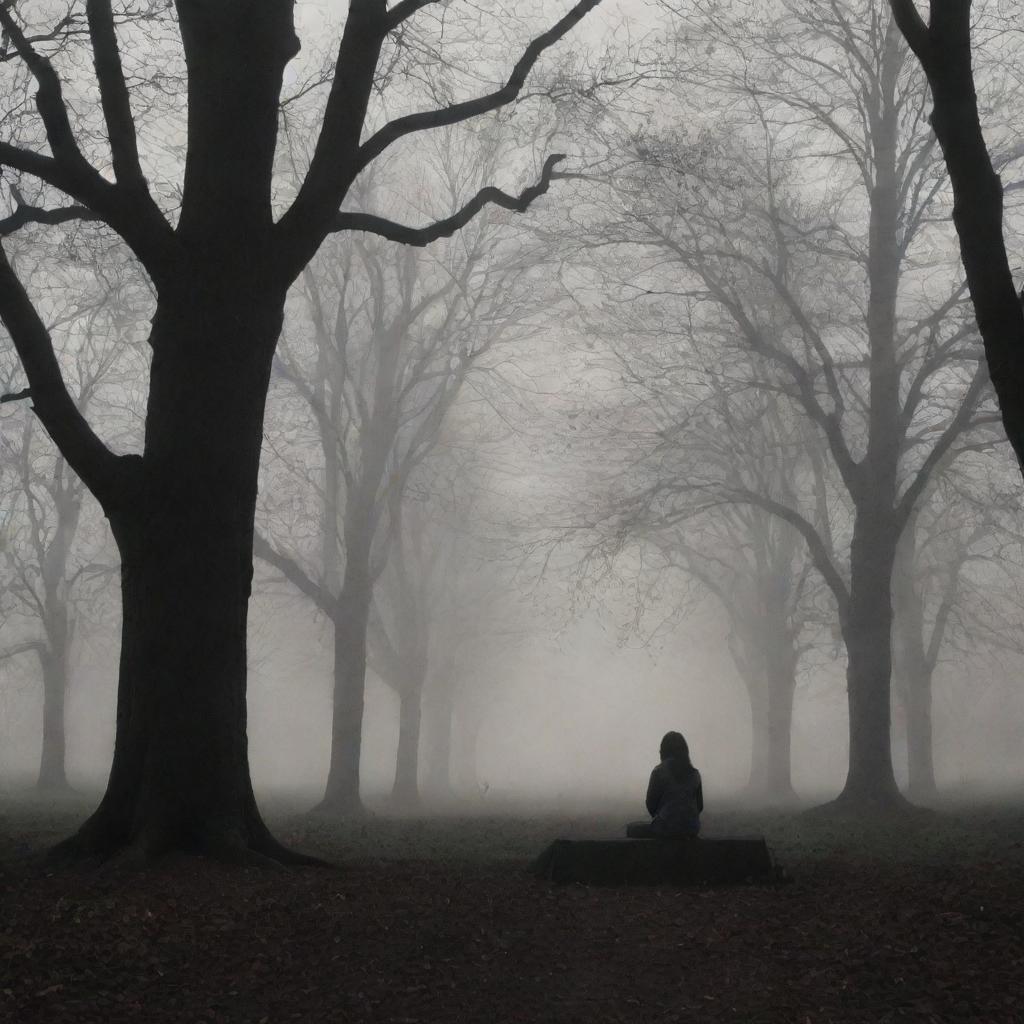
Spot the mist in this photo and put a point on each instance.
(442, 437)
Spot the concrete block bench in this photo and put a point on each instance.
(656, 861)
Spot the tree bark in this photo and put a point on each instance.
(184, 530)
(781, 678)
(52, 760)
(914, 668)
(943, 47)
(867, 630)
(406, 786)
(341, 794)
(920, 750)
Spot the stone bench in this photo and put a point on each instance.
(656, 861)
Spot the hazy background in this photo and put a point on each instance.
(573, 708)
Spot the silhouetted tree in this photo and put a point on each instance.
(942, 44)
(182, 511)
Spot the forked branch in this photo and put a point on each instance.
(340, 157)
(25, 213)
(126, 206)
(456, 112)
(90, 458)
(820, 554)
(117, 111)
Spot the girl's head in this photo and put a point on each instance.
(673, 745)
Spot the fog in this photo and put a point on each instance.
(573, 723)
(647, 455)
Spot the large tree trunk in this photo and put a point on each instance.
(52, 768)
(867, 626)
(781, 672)
(867, 630)
(341, 794)
(53, 659)
(180, 772)
(920, 757)
(914, 669)
(406, 787)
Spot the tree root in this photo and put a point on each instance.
(870, 806)
(341, 810)
(100, 844)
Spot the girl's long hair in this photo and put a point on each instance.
(676, 751)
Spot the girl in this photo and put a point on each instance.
(674, 795)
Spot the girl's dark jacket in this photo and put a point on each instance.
(675, 798)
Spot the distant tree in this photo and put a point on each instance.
(182, 510)
(403, 631)
(754, 564)
(685, 439)
(954, 594)
(831, 291)
(45, 583)
(54, 567)
(442, 599)
(386, 344)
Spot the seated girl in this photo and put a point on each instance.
(674, 795)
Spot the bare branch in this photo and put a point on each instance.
(293, 572)
(449, 225)
(25, 214)
(954, 429)
(405, 10)
(117, 111)
(98, 467)
(818, 549)
(23, 648)
(339, 158)
(456, 112)
(127, 208)
(915, 31)
(50, 96)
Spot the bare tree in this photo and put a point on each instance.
(703, 436)
(831, 291)
(56, 564)
(182, 510)
(957, 555)
(394, 337)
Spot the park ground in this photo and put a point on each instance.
(435, 920)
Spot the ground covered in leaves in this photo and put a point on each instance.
(436, 920)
